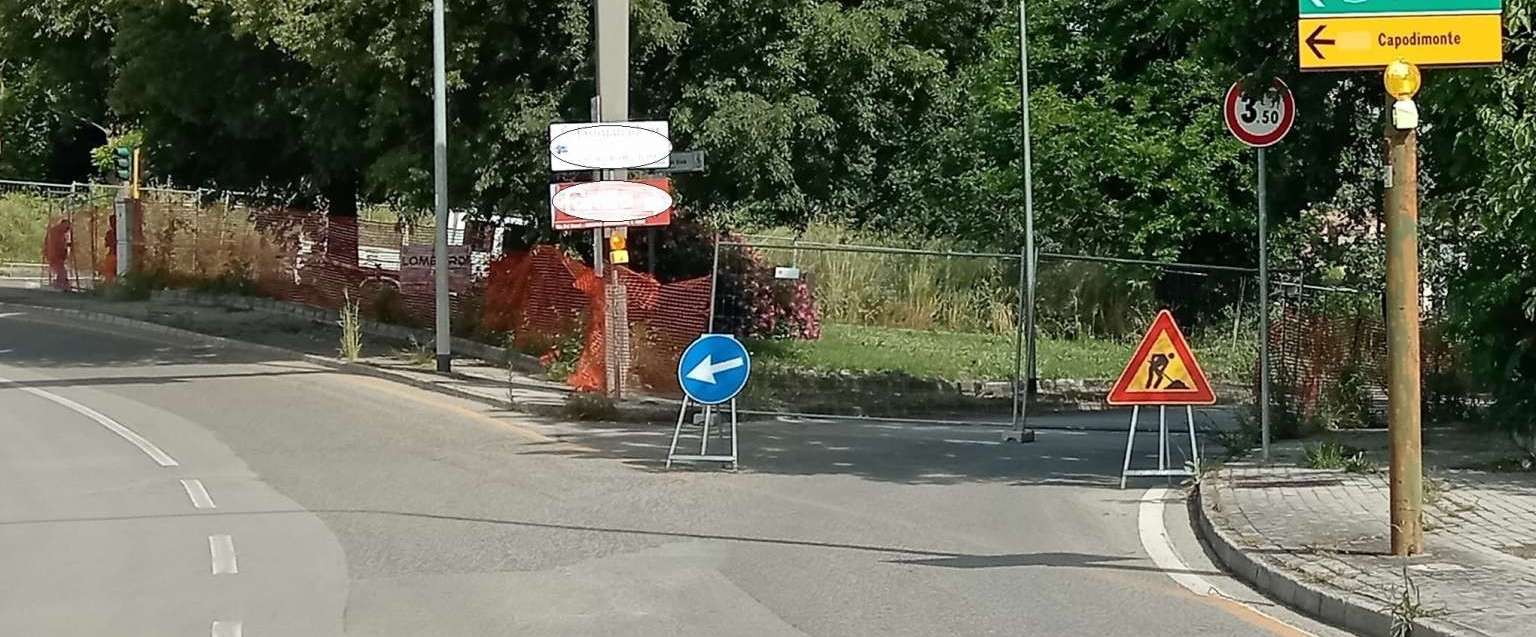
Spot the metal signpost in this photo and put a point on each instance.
(1399, 36)
(712, 371)
(1030, 259)
(1162, 372)
(1261, 121)
(1365, 34)
(440, 183)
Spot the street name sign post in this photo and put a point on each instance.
(1398, 37)
(712, 371)
(1261, 121)
(1337, 35)
(1163, 371)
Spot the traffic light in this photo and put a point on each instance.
(122, 158)
(618, 248)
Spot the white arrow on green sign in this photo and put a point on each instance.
(1315, 8)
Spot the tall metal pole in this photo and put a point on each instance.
(1263, 306)
(1031, 256)
(440, 183)
(1406, 479)
(613, 106)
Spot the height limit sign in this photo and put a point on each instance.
(1262, 119)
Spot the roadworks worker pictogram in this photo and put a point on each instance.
(1163, 371)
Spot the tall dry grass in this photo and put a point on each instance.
(1074, 299)
(945, 293)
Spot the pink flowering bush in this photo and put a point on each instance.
(750, 303)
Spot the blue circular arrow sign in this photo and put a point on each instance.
(714, 369)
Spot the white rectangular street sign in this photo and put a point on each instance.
(609, 146)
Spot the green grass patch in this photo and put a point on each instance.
(967, 356)
(23, 222)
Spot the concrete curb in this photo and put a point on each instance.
(1324, 604)
(629, 412)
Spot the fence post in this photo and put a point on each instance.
(1019, 429)
(1020, 398)
(714, 282)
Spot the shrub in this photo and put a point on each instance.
(136, 286)
(751, 303)
(238, 277)
(590, 406)
(563, 352)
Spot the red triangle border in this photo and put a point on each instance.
(1203, 394)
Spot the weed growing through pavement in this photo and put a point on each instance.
(351, 330)
(1409, 608)
(419, 354)
(1332, 455)
(1240, 442)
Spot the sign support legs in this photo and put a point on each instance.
(1130, 443)
(681, 413)
(710, 413)
(1162, 438)
(1194, 443)
(1164, 448)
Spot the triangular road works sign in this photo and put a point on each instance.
(1163, 371)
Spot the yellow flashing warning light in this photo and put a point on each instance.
(618, 249)
(1402, 80)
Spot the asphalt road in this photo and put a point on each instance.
(151, 488)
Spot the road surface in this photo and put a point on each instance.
(157, 488)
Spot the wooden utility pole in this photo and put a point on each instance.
(1403, 404)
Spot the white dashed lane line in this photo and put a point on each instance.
(198, 494)
(226, 629)
(222, 550)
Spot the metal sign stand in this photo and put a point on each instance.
(1162, 447)
(710, 412)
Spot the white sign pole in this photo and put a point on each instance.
(1263, 308)
(440, 184)
(1021, 415)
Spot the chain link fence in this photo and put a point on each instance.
(867, 331)
(835, 329)
(1092, 311)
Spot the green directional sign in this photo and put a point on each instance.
(1312, 8)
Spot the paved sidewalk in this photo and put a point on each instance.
(1318, 540)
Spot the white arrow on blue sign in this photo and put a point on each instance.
(714, 369)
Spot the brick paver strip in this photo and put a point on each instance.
(1318, 540)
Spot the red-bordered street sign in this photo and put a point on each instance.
(611, 204)
(1259, 120)
(1163, 371)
